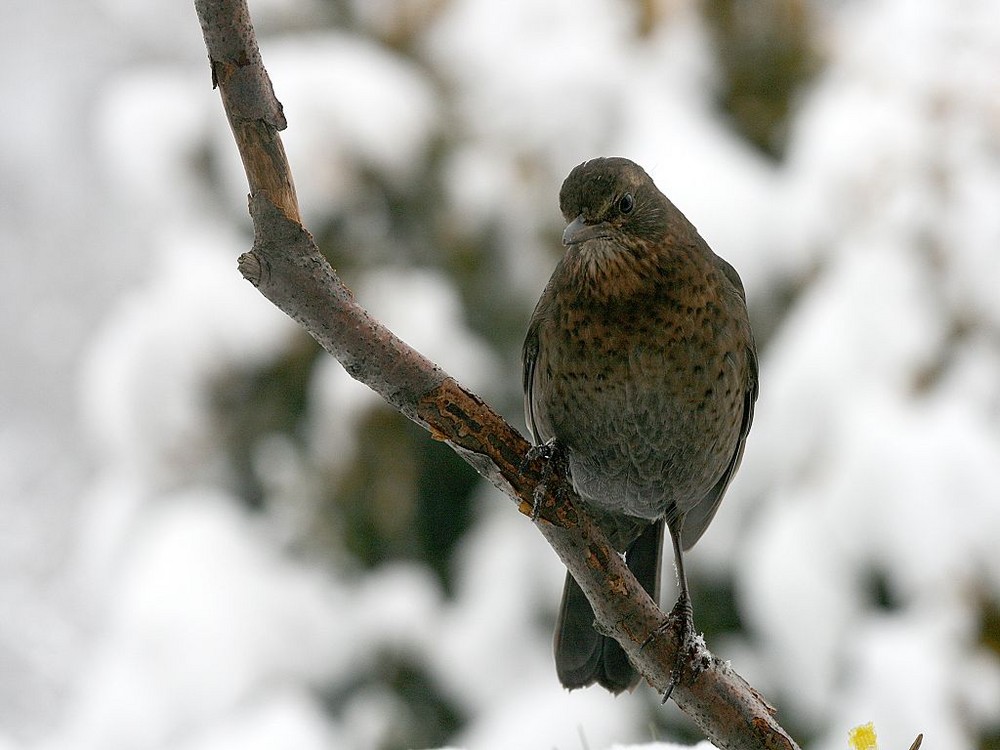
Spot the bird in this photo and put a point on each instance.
(640, 365)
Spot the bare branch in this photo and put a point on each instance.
(253, 111)
(287, 268)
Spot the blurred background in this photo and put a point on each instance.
(212, 538)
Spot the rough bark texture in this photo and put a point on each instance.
(287, 268)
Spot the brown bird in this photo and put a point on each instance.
(639, 364)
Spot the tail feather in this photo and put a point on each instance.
(584, 656)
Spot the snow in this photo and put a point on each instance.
(355, 106)
(583, 720)
(202, 620)
(924, 648)
(551, 75)
(423, 309)
(149, 372)
(148, 132)
(147, 604)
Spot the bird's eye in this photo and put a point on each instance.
(626, 203)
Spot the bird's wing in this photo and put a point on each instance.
(737, 282)
(529, 357)
(700, 516)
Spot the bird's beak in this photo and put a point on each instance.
(579, 230)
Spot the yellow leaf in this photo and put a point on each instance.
(863, 737)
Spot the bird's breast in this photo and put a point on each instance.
(645, 393)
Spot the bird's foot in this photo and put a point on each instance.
(680, 622)
(551, 453)
(544, 451)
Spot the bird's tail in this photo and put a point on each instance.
(584, 656)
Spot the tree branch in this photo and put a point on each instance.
(287, 268)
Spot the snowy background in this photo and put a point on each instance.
(213, 539)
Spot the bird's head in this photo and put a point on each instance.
(614, 202)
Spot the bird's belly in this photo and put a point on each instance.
(648, 442)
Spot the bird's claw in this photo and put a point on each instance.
(681, 620)
(544, 451)
(547, 452)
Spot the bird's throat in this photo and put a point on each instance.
(603, 269)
